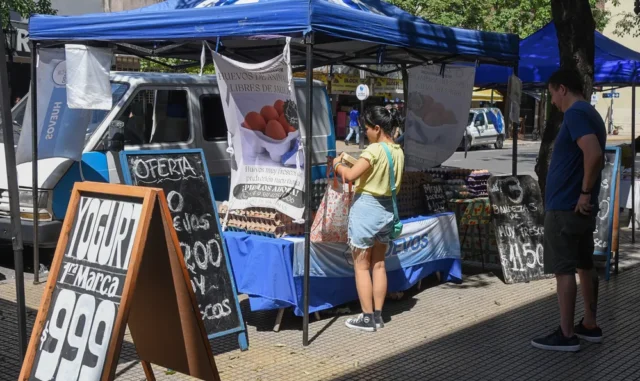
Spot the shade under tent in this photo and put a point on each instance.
(323, 32)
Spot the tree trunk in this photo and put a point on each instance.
(575, 27)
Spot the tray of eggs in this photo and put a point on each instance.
(273, 129)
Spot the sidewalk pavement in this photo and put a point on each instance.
(477, 330)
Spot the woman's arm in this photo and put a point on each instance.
(353, 173)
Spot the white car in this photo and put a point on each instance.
(485, 127)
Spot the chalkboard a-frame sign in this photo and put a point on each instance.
(184, 177)
(607, 202)
(518, 218)
(113, 269)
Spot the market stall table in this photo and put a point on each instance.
(270, 270)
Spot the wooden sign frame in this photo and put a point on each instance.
(614, 215)
(194, 357)
(240, 330)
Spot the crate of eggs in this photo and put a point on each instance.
(318, 191)
(261, 221)
(477, 183)
(411, 201)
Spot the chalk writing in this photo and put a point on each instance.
(606, 200)
(183, 178)
(517, 216)
(160, 169)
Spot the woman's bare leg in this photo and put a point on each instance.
(379, 274)
(363, 279)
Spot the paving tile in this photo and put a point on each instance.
(479, 330)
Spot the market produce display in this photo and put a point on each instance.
(411, 200)
(261, 221)
(477, 183)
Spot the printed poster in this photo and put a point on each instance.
(437, 113)
(264, 134)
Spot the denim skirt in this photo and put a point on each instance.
(370, 220)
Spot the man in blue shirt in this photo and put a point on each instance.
(354, 125)
(571, 203)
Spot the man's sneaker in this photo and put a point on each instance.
(591, 335)
(363, 322)
(377, 317)
(557, 342)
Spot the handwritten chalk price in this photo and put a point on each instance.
(531, 257)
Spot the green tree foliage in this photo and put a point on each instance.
(627, 23)
(174, 66)
(25, 8)
(521, 17)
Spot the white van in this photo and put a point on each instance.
(159, 111)
(485, 127)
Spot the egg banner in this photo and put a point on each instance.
(437, 113)
(264, 134)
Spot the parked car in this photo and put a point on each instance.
(156, 111)
(485, 127)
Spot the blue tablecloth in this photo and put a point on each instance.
(270, 270)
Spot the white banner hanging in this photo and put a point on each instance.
(437, 115)
(264, 137)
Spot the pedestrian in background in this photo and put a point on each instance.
(354, 125)
(372, 216)
(571, 203)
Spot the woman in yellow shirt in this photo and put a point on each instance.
(371, 217)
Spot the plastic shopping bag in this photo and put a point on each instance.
(331, 222)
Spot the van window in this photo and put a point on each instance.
(156, 116)
(214, 125)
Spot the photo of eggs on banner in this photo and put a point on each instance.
(270, 134)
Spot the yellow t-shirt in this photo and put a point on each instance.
(376, 181)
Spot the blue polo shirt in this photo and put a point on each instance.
(353, 118)
(566, 171)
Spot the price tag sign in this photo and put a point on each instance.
(518, 218)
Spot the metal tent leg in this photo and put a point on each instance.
(308, 161)
(14, 205)
(633, 164)
(34, 159)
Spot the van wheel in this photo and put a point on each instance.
(499, 142)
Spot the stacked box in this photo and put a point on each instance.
(318, 191)
(411, 201)
(261, 221)
(477, 183)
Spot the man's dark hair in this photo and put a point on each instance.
(568, 78)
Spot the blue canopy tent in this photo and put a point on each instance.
(614, 63)
(354, 33)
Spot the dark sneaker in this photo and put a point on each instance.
(377, 317)
(363, 322)
(346, 142)
(557, 342)
(591, 335)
